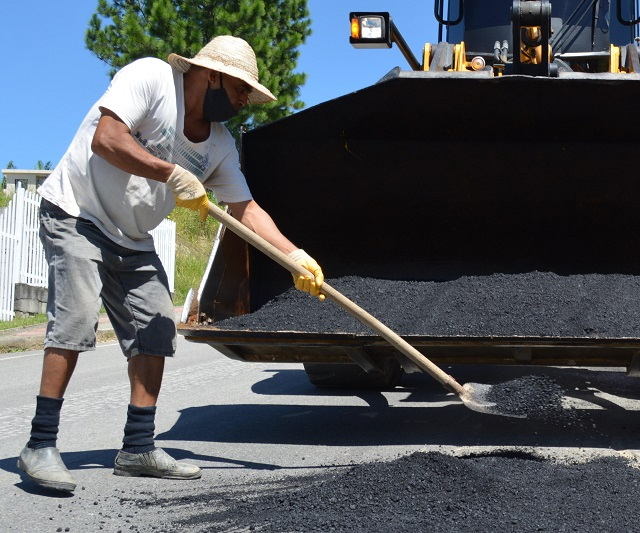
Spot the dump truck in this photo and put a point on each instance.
(507, 147)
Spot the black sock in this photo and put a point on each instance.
(44, 426)
(139, 429)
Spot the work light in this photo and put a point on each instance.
(370, 30)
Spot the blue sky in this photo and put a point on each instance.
(50, 79)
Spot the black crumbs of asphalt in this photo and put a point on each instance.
(528, 304)
(536, 397)
(427, 492)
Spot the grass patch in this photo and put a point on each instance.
(23, 322)
(194, 241)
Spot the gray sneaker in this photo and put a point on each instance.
(45, 468)
(156, 463)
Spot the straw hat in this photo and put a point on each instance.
(232, 56)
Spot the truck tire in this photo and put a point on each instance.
(348, 376)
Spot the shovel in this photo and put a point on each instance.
(473, 395)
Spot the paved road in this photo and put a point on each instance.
(245, 424)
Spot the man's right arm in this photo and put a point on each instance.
(113, 142)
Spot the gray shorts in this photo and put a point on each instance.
(87, 270)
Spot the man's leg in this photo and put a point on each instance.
(57, 369)
(73, 307)
(137, 298)
(145, 376)
(139, 456)
(40, 459)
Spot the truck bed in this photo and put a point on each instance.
(434, 177)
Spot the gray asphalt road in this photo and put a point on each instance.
(248, 424)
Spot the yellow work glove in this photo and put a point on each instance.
(188, 191)
(307, 283)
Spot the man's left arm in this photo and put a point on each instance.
(259, 221)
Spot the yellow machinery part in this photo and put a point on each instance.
(460, 60)
(614, 60)
(531, 54)
(426, 56)
(459, 64)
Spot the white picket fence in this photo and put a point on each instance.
(22, 256)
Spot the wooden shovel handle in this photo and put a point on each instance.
(335, 296)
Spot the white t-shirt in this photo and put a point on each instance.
(148, 96)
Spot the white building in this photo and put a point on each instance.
(30, 179)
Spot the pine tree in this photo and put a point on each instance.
(122, 31)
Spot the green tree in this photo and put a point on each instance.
(122, 31)
(43, 166)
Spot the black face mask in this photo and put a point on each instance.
(217, 106)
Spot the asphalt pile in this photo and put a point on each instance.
(431, 492)
(529, 304)
(535, 397)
